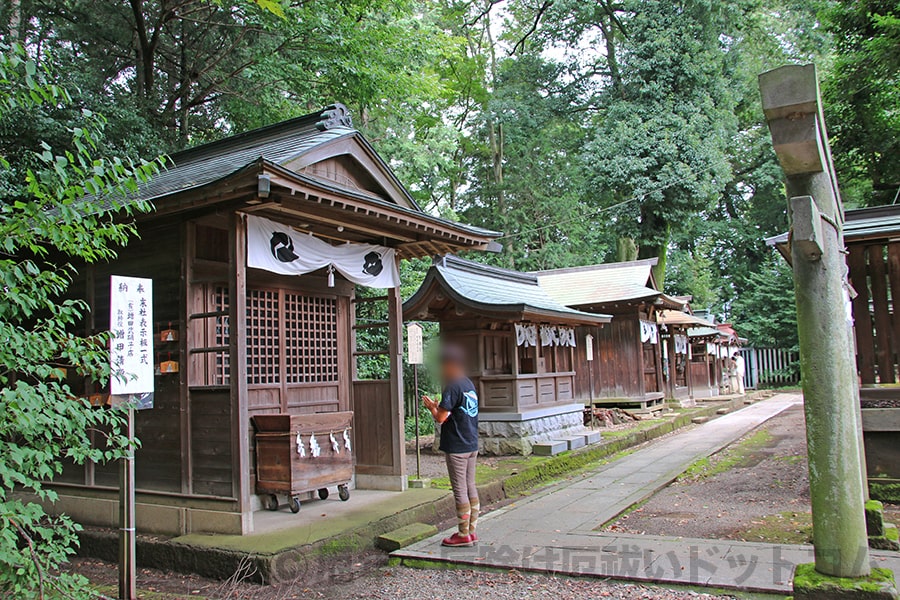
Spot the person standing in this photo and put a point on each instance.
(739, 371)
(457, 414)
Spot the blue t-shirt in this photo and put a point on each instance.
(459, 433)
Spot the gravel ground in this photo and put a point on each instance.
(766, 481)
(389, 583)
(403, 584)
(885, 403)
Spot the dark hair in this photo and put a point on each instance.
(453, 354)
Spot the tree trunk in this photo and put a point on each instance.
(626, 249)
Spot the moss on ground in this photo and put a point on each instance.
(807, 578)
(783, 528)
(734, 456)
(639, 426)
(889, 491)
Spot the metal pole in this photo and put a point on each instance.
(416, 395)
(127, 547)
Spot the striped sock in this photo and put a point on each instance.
(473, 513)
(463, 515)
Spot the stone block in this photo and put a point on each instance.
(405, 536)
(875, 518)
(699, 420)
(549, 448)
(723, 411)
(812, 585)
(420, 483)
(889, 541)
(512, 437)
(574, 442)
(592, 437)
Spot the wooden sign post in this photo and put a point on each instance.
(131, 385)
(589, 354)
(792, 106)
(415, 347)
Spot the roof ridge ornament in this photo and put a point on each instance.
(334, 115)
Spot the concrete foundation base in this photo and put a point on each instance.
(155, 514)
(517, 433)
(809, 584)
(388, 483)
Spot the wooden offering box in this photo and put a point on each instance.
(281, 467)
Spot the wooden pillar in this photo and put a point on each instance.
(673, 361)
(688, 364)
(237, 320)
(793, 110)
(184, 330)
(397, 434)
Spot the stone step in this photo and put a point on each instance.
(549, 448)
(405, 536)
(592, 437)
(699, 420)
(574, 442)
(889, 541)
(723, 411)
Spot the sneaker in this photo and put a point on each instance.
(474, 537)
(458, 541)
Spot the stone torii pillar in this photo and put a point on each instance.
(792, 106)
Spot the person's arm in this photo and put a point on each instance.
(440, 415)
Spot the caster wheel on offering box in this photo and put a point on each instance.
(294, 503)
(344, 492)
(323, 494)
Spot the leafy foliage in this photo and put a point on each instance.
(862, 95)
(767, 311)
(59, 213)
(663, 135)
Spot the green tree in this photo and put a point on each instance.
(766, 313)
(190, 70)
(539, 200)
(862, 94)
(659, 147)
(59, 214)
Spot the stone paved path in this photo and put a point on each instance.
(556, 531)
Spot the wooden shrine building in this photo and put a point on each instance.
(240, 341)
(628, 366)
(689, 370)
(872, 237)
(523, 347)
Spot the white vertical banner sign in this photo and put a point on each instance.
(415, 347)
(131, 384)
(131, 347)
(415, 355)
(589, 346)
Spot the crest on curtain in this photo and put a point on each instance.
(681, 344)
(649, 332)
(279, 249)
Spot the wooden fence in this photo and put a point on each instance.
(875, 275)
(770, 367)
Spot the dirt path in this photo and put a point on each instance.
(755, 490)
(757, 484)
